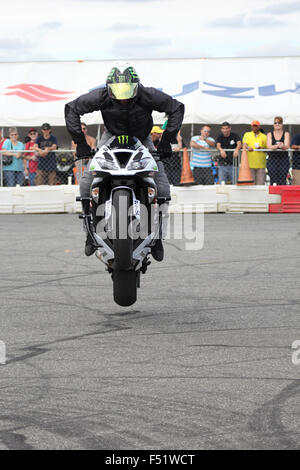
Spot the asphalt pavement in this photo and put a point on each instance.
(203, 360)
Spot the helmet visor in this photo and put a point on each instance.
(122, 91)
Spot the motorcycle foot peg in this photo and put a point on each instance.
(85, 202)
(84, 216)
(81, 198)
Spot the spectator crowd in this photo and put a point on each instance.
(212, 160)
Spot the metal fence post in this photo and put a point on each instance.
(192, 131)
(98, 135)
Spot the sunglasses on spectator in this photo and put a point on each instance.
(33, 132)
(83, 128)
(277, 122)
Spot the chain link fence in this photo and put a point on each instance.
(282, 168)
(26, 168)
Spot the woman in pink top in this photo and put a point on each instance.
(31, 157)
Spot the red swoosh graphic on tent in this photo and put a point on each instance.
(37, 93)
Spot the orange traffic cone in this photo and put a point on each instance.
(245, 176)
(186, 172)
(75, 175)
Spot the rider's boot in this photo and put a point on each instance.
(89, 246)
(157, 250)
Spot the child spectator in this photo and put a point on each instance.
(32, 156)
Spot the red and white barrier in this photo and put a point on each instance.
(216, 198)
(289, 199)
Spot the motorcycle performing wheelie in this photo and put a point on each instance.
(124, 188)
(122, 214)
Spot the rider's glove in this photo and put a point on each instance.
(164, 150)
(83, 150)
(164, 147)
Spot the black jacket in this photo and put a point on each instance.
(134, 118)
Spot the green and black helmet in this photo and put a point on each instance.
(122, 82)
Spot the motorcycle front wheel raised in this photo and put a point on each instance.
(124, 276)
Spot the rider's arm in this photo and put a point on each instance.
(164, 103)
(87, 103)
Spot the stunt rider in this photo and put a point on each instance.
(126, 107)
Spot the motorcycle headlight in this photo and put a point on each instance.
(139, 165)
(107, 164)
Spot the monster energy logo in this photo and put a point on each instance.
(123, 139)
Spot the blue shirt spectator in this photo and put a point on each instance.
(14, 172)
(201, 162)
(17, 163)
(200, 143)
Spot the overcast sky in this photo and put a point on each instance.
(124, 29)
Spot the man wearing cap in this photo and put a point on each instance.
(227, 140)
(252, 142)
(45, 143)
(156, 133)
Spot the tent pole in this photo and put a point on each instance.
(98, 134)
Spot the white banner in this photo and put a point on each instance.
(213, 90)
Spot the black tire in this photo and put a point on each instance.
(122, 243)
(125, 287)
(124, 275)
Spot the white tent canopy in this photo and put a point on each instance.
(213, 90)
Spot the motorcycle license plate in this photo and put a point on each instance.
(137, 209)
(108, 209)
